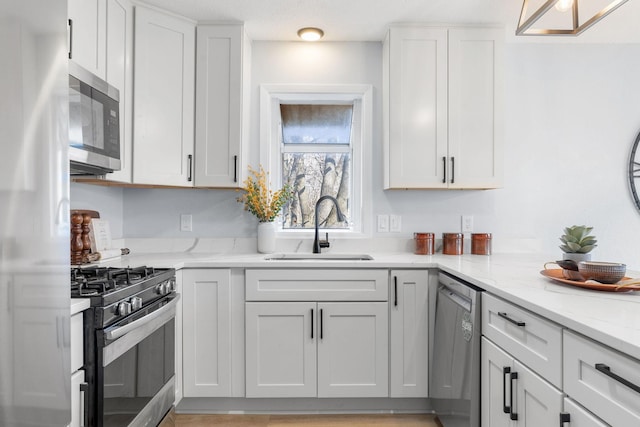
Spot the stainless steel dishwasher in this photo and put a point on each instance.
(454, 384)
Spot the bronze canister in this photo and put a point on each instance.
(481, 243)
(424, 243)
(452, 243)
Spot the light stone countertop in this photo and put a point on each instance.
(613, 318)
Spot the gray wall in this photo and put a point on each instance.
(572, 114)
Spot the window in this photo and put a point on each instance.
(316, 139)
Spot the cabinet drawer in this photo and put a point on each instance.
(77, 342)
(529, 338)
(317, 285)
(603, 380)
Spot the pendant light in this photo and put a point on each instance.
(573, 6)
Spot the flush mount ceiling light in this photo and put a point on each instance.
(310, 34)
(561, 6)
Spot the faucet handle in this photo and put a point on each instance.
(325, 243)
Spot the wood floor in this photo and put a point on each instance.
(360, 420)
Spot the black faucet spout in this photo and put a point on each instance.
(317, 243)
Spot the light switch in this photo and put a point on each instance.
(186, 222)
(383, 223)
(395, 223)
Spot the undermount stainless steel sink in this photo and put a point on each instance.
(318, 257)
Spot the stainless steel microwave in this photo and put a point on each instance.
(94, 124)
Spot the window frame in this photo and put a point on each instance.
(271, 95)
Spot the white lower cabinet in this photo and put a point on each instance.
(602, 380)
(78, 386)
(513, 395)
(409, 333)
(206, 310)
(575, 415)
(316, 349)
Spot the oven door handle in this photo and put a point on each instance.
(123, 330)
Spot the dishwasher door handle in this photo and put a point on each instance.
(460, 300)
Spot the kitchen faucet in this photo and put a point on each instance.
(317, 243)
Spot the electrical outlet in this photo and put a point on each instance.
(395, 223)
(186, 222)
(467, 223)
(383, 223)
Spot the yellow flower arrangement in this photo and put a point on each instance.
(259, 199)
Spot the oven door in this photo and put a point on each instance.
(135, 382)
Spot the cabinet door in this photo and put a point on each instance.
(538, 403)
(164, 75)
(495, 385)
(415, 93)
(475, 108)
(222, 72)
(353, 358)
(78, 390)
(281, 349)
(206, 309)
(409, 333)
(119, 73)
(579, 417)
(88, 34)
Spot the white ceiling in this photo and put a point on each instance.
(367, 20)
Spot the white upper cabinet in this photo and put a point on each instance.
(88, 35)
(119, 73)
(222, 103)
(442, 108)
(164, 76)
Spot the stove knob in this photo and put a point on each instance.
(172, 285)
(161, 289)
(136, 303)
(124, 308)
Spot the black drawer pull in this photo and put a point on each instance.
(395, 293)
(505, 316)
(601, 367)
(321, 325)
(565, 417)
(505, 371)
(512, 415)
(312, 323)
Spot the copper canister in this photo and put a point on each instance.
(481, 243)
(424, 243)
(452, 243)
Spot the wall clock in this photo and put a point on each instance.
(634, 171)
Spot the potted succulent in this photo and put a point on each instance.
(577, 243)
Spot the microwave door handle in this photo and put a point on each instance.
(122, 330)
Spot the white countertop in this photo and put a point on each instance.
(79, 304)
(612, 318)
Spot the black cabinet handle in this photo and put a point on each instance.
(453, 169)
(395, 291)
(601, 367)
(505, 371)
(565, 417)
(444, 166)
(84, 389)
(70, 38)
(312, 323)
(506, 317)
(189, 167)
(512, 376)
(235, 168)
(321, 326)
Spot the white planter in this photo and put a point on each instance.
(577, 257)
(266, 237)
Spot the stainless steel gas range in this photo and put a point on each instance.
(129, 352)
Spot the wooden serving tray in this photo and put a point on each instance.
(556, 275)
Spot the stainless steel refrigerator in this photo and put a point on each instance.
(34, 214)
